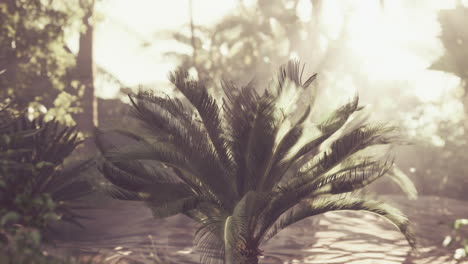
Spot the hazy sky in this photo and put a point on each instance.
(127, 25)
(395, 44)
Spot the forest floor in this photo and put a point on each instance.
(125, 232)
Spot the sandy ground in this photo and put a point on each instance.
(123, 232)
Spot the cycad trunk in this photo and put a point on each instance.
(242, 255)
(247, 258)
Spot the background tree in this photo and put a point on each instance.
(40, 71)
(253, 39)
(85, 71)
(33, 55)
(442, 169)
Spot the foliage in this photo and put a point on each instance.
(247, 166)
(21, 245)
(35, 188)
(442, 170)
(251, 39)
(34, 58)
(454, 37)
(458, 239)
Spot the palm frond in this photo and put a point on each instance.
(339, 117)
(121, 194)
(259, 144)
(279, 163)
(185, 146)
(293, 192)
(209, 239)
(292, 71)
(323, 205)
(208, 110)
(404, 182)
(390, 213)
(239, 108)
(352, 179)
(348, 145)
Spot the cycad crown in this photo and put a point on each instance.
(245, 166)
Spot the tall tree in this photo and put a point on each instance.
(249, 166)
(88, 119)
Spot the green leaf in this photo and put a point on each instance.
(9, 217)
(447, 241)
(43, 164)
(35, 237)
(52, 216)
(459, 223)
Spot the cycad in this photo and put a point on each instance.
(247, 166)
(34, 186)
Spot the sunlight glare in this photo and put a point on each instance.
(431, 86)
(128, 24)
(332, 19)
(304, 10)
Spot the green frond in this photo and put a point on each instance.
(259, 144)
(123, 179)
(347, 145)
(390, 213)
(210, 247)
(186, 147)
(252, 124)
(239, 108)
(72, 190)
(339, 117)
(404, 182)
(293, 71)
(345, 180)
(352, 179)
(208, 109)
(163, 123)
(102, 142)
(121, 194)
(294, 191)
(173, 105)
(323, 205)
(70, 182)
(142, 151)
(295, 162)
(290, 217)
(209, 239)
(291, 137)
(279, 161)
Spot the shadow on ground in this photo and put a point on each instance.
(124, 232)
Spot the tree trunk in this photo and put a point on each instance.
(87, 120)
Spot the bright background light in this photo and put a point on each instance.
(127, 24)
(397, 43)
